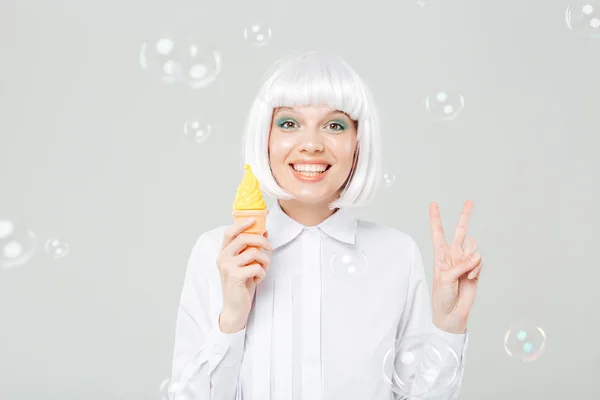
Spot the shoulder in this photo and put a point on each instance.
(207, 246)
(384, 235)
(213, 237)
(390, 251)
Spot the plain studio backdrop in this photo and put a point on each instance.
(94, 161)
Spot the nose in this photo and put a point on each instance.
(311, 142)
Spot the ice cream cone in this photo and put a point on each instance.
(249, 203)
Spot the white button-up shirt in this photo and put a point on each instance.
(326, 322)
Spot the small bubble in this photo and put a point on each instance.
(388, 179)
(197, 129)
(348, 264)
(258, 35)
(583, 18)
(525, 341)
(445, 105)
(56, 248)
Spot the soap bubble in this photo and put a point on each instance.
(524, 341)
(197, 129)
(56, 248)
(423, 365)
(388, 179)
(445, 105)
(17, 244)
(258, 35)
(177, 60)
(583, 18)
(349, 264)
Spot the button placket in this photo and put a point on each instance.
(311, 315)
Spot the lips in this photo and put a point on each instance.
(316, 175)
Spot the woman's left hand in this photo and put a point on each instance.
(456, 272)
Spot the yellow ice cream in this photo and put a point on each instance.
(249, 195)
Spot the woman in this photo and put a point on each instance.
(315, 313)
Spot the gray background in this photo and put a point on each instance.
(92, 152)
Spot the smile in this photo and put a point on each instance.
(310, 172)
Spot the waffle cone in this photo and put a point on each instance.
(260, 221)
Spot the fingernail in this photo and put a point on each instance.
(471, 275)
(475, 257)
(249, 220)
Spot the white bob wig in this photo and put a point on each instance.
(316, 79)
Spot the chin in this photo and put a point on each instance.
(313, 198)
(314, 193)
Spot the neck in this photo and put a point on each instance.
(306, 214)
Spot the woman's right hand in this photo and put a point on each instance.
(240, 272)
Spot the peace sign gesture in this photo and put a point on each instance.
(456, 271)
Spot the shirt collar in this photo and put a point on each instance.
(341, 225)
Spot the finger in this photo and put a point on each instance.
(252, 271)
(474, 274)
(442, 260)
(251, 256)
(437, 231)
(235, 229)
(456, 254)
(244, 240)
(463, 224)
(470, 246)
(464, 266)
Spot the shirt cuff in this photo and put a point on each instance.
(456, 341)
(225, 349)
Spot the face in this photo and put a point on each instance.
(311, 151)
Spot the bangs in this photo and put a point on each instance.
(318, 80)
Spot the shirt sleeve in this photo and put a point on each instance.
(438, 371)
(206, 361)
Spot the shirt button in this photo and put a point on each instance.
(313, 231)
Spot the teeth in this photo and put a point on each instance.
(310, 167)
(310, 173)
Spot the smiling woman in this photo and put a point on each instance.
(294, 312)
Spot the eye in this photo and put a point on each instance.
(286, 124)
(335, 126)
